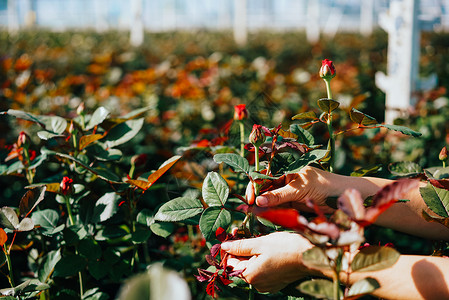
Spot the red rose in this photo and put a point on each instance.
(66, 186)
(240, 112)
(327, 70)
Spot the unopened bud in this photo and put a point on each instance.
(257, 135)
(80, 109)
(71, 127)
(22, 140)
(443, 154)
(240, 112)
(66, 186)
(327, 70)
(139, 159)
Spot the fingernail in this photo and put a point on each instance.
(262, 201)
(226, 246)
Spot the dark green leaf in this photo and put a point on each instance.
(212, 218)
(95, 294)
(402, 129)
(73, 234)
(215, 189)
(105, 207)
(304, 136)
(361, 118)
(374, 258)
(48, 220)
(238, 163)
(328, 105)
(111, 232)
(37, 161)
(98, 269)
(163, 229)
(140, 236)
(179, 209)
(99, 115)
(24, 116)
(316, 258)
(405, 168)
(8, 218)
(318, 288)
(257, 175)
(363, 287)
(436, 199)
(123, 132)
(105, 154)
(69, 265)
(366, 171)
(145, 217)
(89, 249)
(48, 264)
(309, 115)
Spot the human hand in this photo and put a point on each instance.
(269, 262)
(295, 188)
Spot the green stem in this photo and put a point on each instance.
(251, 292)
(330, 129)
(257, 169)
(8, 261)
(444, 164)
(328, 88)
(242, 139)
(336, 286)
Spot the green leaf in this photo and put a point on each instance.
(8, 218)
(48, 220)
(98, 269)
(374, 258)
(215, 189)
(257, 175)
(436, 199)
(212, 218)
(304, 136)
(316, 258)
(102, 153)
(123, 132)
(145, 217)
(163, 229)
(45, 135)
(309, 115)
(366, 171)
(28, 286)
(95, 294)
(37, 161)
(105, 207)
(405, 168)
(30, 200)
(238, 163)
(48, 264)
(328, 105)
(140, 236)
(89, 249)
(26, 224)
(318, 288)
(99, 115)
(24, 116)
(69, 265)
(73, 234)
(179, 209)
(402, 129)
(54, 124)
(361, 118)
(363, 287)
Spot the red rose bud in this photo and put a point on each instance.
(23, 139)
(327, 70)
(443, 154)
(71, 127)
(139, 159)
(240, 112)
(66, 186)
(80, 109)
(257, 135)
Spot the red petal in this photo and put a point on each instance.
(287, 218)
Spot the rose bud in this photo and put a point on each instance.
(443, 154)
(80, 109)
(240, 112)
(66, 186)
(139, 159)
(22, 140)
(327, 70)
(257, 135)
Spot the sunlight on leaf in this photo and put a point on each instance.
(319, 288)
(374, 258)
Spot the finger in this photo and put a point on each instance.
(244, 247)
(279, 196)
(250, 197)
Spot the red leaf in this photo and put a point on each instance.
(221, 234)
(287, 218)
(440, 183)
(3, 237)
(215, 249)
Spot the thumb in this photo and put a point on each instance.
(244, 247)
(279, 196)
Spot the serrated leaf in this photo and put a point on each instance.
(48, 220)
(86, 140)
(48, 264)
(363, 287)
(309, 115)
(436, 199)
(361, 118)
(213, 218)
(179, 209)
(405, 168)
(99, 115)
(328, 105)
(163, 229)
(316, 258)
(374, 258)
(30, 200)
(69, 265)
(402, 129)
(319, 288)
(105, 207)
(215, 189)
(123, 132)
(238, 163)
(304, 136)
(8, 218)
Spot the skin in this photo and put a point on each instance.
(269, 267)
